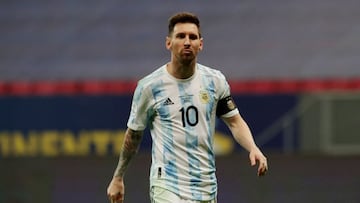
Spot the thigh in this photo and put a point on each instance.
(194, 201)
(161, 195)
(210, 201)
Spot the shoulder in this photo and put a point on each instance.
(151, 78)
(146, 84)
(210, 72)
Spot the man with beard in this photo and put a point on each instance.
(179, 102)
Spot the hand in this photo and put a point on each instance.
(256, 156)
(116, 190)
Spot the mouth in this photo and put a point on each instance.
(187, 51)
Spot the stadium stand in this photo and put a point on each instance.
(80, 40)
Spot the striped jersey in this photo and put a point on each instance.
(180, 114)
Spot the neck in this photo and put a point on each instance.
(181, 71)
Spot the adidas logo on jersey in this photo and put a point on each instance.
(168, 102)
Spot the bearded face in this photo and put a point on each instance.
(184, 42)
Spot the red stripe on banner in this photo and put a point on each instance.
(94, 87)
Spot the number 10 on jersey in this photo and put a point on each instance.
(189, 116)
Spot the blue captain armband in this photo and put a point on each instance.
(225, 105)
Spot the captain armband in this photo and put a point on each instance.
(225, 105)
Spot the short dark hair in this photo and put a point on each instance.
(183, 17)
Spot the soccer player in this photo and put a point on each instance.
(179, 103)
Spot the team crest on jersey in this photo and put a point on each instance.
(204, 96)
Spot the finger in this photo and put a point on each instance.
(112, 199)
(261, 172)
(119, 198)
(116, 198)
(117, 201)
(262, 169)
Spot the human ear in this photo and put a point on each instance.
(168, 42)
(201, 44)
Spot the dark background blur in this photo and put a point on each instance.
(68, 69)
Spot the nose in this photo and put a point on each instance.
(187, 40)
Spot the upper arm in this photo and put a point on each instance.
(233, 121)
(134, 133)
(225, 106)
(139, 108)
(134, 136)
(132, 139)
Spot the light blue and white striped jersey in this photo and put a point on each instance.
(181, 116)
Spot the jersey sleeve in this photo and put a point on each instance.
(226, 106)
(140, 106)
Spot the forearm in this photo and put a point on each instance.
(130, 147)
(244, 137)
(241, 132)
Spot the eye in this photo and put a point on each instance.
(193, 36)
(181, 35)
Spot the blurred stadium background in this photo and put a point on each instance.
(68, 69)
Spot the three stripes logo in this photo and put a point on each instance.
(168, 102)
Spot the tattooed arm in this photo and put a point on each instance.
(130, 147)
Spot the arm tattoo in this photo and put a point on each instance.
(129, 149)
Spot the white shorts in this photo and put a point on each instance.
(161, 195)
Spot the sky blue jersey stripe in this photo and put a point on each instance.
(168, 146)
(210, 86)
